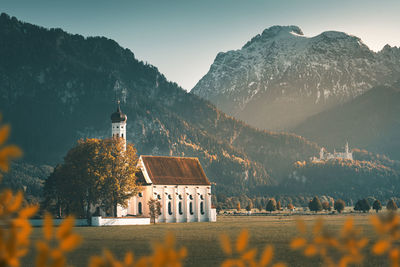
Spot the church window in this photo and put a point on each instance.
(140, 194)
(201, 197)
(122, 135)
(140, 208)
(191, 208)
(169, 197)
(191, 197)
(202, 207)
(117, 127)
(169, 208)
(180, 208)
(180, 197)
(117, 134)
(159, 197)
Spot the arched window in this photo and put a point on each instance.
(202, 207)
(140, 208)
(180, 208)
(122, 135)
(169, 208)
(191, 208)
(159, 197)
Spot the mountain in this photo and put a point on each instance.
(369, 121)
(56, 88)
(281, 77)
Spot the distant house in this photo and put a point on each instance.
(179, 183)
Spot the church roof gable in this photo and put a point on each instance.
(174, 170)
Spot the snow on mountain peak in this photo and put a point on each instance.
(275, 30)
(282, 68)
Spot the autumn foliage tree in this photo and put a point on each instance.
(326, 206)
(391, 205)
(339, 205)
(377, 206)
(154, 208)
(94, 172)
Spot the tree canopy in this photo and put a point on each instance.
(339, 205)
(94, 172)
(315, 204)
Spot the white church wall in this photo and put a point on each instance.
(100, 221)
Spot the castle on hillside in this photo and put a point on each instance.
(324, 155)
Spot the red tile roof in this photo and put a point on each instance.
(174, 170)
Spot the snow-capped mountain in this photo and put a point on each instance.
(281, 77)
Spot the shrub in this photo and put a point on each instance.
(326, 206)
(339, 205)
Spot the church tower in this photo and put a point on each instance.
(118, 124)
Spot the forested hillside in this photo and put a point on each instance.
(370, 121)
(56, 87)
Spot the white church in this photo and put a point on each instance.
(178, 183)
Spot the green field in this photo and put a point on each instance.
(202, 239)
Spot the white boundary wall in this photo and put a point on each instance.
(99, 221)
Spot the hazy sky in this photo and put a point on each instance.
(182, 38)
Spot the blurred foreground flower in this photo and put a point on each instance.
(56, 242)
(243, 256)
(14, 228)
(164, 255)
(7, 152)
(346, 247)
(388, 228)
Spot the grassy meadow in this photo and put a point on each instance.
(202, 239)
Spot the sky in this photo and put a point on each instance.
(182, 37)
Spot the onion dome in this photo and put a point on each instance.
(118, 116)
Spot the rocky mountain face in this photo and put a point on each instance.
(57, 87)
(281, 77)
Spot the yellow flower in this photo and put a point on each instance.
(62, 237)
(348, 244)
(243, 256)
(14, 228)
(388, 229)
(164, 255)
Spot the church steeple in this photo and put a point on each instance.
(118, 123)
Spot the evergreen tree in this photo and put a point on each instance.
(362, 205)
(315, 204)
(377, 206)
(271, 205)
